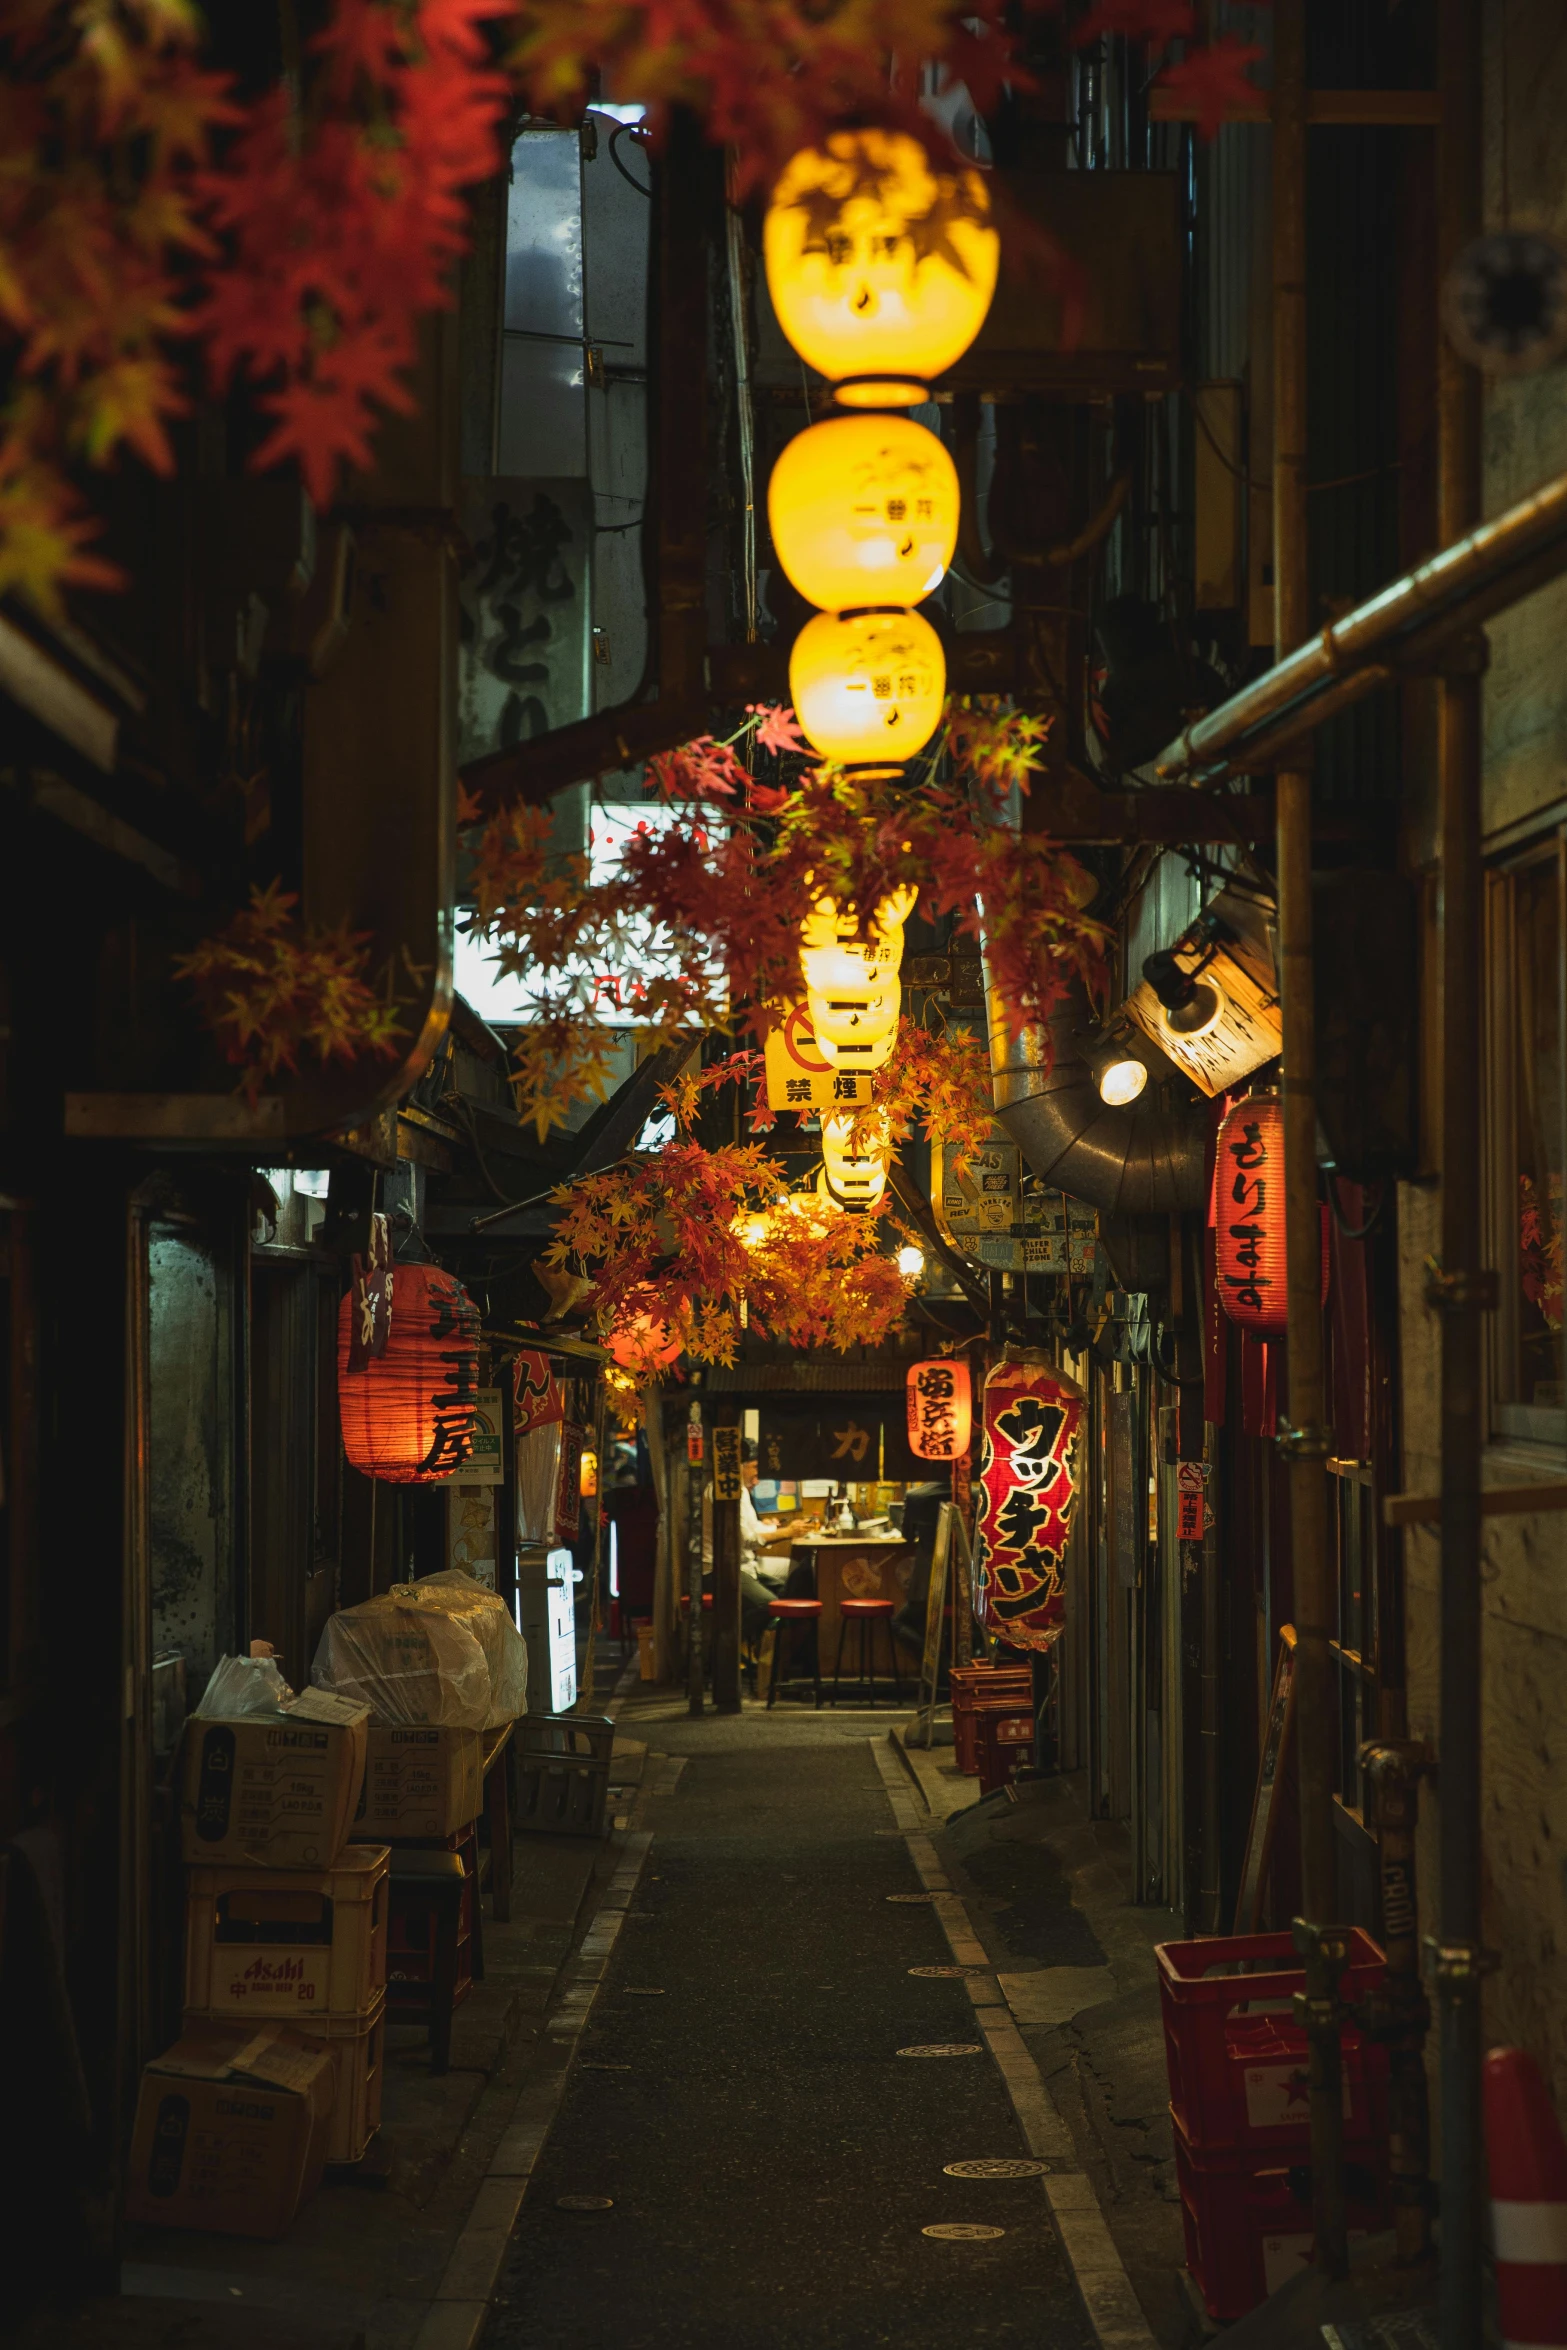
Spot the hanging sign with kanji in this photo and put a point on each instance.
(798, 1076)
(370, 1316)
(1033, 1420)
(726, 1464)
(694, 1447)
(568, 1482)
(1191, 1500)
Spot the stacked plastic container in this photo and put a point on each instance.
(978, 1690)
(1240, 2107)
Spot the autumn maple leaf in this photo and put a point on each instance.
(777, 729)
(1215, 80)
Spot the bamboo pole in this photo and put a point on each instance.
(1307, 1441)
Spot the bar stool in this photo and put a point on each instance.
(865, 1615)
(801, 1614)
(428, 1882)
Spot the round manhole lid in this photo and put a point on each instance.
(584, 2203)
(1002, 2166)
(962, 2231)
(954, 1974)
(945, 2048)
(909, 1899)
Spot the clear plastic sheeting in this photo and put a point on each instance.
(244, 1685)
(412, 1666)
(483, 1613)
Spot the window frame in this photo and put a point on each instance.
(1509, 1421)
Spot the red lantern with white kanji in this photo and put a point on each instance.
(1033, 1420)
(941, 1410)
(408, 1415)
(1248, 1217)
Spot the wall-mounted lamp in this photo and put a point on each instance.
(1118, 1072)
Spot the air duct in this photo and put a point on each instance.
(1133, 1159)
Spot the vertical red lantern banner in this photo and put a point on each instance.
(1033, 1422)
(407, 1415)
(941, 1409)
(536, 1396)
(1248, 1217)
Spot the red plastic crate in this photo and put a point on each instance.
(1248, 2227)
(976, 1686)
(1006, 1743)
(1237, 2058)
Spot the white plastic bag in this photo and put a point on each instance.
(242, 1685)
(455, 1594)
(412, 1666)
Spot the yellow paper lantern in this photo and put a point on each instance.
(880, 267)
(855, 1178)
(852, 990)
(864, 511)
(868, 688)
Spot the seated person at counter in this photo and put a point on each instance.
(764, 1553)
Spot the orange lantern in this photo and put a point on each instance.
(407, 1416)
(1248, 1217)
(644, 1345)
(941, 1409)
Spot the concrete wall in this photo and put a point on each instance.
(1525, 1637)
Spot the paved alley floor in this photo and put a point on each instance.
(738, 2095)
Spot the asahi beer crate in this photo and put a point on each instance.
(288, 1942)
(232, 2131)
(277, 1790)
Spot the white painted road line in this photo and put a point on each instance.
(1114, 2311)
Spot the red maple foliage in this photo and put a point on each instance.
(1215, 80)
(340, 232)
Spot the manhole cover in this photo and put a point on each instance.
(956, 1974)
(584, 2203)
(1003, 2166)
(945, 2048)
(962, 2231)
(643, 1991)
(908, 1898)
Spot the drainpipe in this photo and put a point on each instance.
(1459, 1291)
(1307, 1442)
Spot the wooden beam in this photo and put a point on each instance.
(1357, 109)
(1498, 1501)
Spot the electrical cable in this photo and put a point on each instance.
(626, 130)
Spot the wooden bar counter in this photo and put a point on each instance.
(855, 1566)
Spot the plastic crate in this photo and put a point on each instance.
(410, 1939)
(358, 2052)
(288, 1942)
(974, 1686)
(1237, 2058)
(563, 1773)
(1248, 2227)
(1006, 1744)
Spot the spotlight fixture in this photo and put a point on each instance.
(1118, 1074)
(911, 1262)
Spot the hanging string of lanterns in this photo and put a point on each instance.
(881, 268)
(408, 1413)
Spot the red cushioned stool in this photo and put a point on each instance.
(798, 1615)
(865, 1615)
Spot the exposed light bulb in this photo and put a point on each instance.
(911, 1262)
(1121, 1082)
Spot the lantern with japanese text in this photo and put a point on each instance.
(868, 687)
(408, 1414)
(1248, 1217)
(941, 1412)
(856, 1174)
(1033, 1419)
(852, 985)
(864, 510)
(881, 266)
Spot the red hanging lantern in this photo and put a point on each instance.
(1033, 1417)
(941, 1409)
(1248, 1217)
(644, 1345)
(408, 1415)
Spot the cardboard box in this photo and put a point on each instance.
(420, 1782)
(231, 2131)
(287, 1942)
(274, 1790)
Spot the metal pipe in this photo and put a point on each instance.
(1307, 1441)
(1397, 2014)
(1405, 627)
(1460, 1289)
